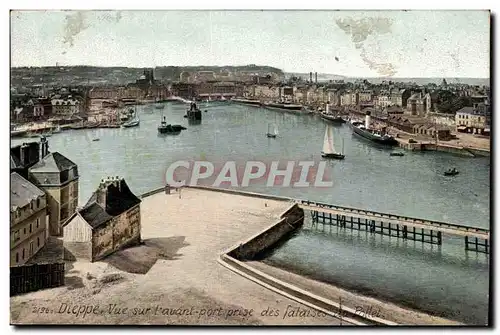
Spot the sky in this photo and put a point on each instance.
(350, 43)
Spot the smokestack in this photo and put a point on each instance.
(367, 120)
(310, 77)
(327, 107)
(316, 77)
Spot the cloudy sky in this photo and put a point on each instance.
(350, 43)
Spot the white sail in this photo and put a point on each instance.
(275, 130)
(328, 147)
(268, 128)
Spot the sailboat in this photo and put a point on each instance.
(329, 147)
(274, 133)
(134, 122)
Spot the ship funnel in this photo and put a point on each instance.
(367, 121)
(327, 109)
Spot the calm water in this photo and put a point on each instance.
(444, 280)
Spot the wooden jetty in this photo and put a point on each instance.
(425, 231)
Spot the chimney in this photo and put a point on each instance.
(44, 145)
(24, 154)
(327, 107)
(101, 193)
(316, 77)
(310, 77)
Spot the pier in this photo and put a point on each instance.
(425, 231)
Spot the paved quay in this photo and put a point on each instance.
(174, 277)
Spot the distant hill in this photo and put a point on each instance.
(377, 80)
(83, 74)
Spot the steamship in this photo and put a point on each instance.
(247, 101)
(288, 106)
(327, 115)
(377, 136)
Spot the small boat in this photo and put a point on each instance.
(95, 139)
(274, 133)
(451, 172)
(396, 154)
(159, 106)
(329, 147)
(56, 130)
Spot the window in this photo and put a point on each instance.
(23, 253)
(37, 202)
(31, 227)
(38, 222)
(17, 257)
(24, 231)
(38, 241)
(31, 205)
(16, 236)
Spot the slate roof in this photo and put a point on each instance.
(95, 215)
(22, 191)
(119, 199)
(466, 110)
(53, 162)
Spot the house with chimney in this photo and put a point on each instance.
(110, 221)
(58, 177)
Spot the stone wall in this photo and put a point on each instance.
(290, 221)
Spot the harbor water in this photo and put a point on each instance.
(445, 280)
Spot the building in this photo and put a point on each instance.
(58, 177)
(399, 97)
(24, 156)
(365, 96)
(417, 104)
(109, 221)
(28, 219)
(65, 106)
(473, 120)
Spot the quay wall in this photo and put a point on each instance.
(291, 220)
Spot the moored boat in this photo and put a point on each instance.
(377, 136)
(334, 118)
(247, 101)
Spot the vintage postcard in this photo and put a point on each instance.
(209, 167)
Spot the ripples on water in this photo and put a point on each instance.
(447, 281)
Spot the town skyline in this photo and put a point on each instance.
(390, 44)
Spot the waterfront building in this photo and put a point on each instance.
(58, 177)
(475, 120)
(109, 221)
(65, 106)
(28, 219)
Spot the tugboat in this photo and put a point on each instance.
(193, 113)
(165, 128)
(451, 172)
